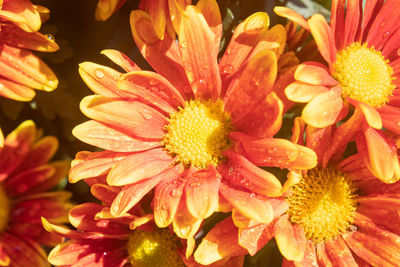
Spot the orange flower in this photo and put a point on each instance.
(129, 240)
(26, 176)
(361, 49)
(339, 215)
(22, 71)
(164, 14)
(195, 130)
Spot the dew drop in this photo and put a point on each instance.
(50, 37)
(386, 34)
(176, 192)
(153, 82)
(99, 73)
(183, 44)
(227, 69)
(146, 114)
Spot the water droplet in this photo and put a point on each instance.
(183, 44)
(386, 34)
(176, 192)
(153, 82)
(146, 114)
(227, 69)
(99, 73)
(50, 37)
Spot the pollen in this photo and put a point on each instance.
(364, 74)
(4, 209)
(197, 134)
(158, 248)
(324, 204)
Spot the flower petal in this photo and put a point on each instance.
(16, 91)
(22, 13)
(158, 13)
(339, 253)
(212, 14)
(324, 109)
(303, 92)
(184, 224)
(139, 166)
(314, 73)
(370, 113)
(199, 56)
(323, 36)
(103, 136)
(290, 239)
(291, 15)
(221, 242)
(120, 59)
(255, 237)
(105, 8)
(131, 117)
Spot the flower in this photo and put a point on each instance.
(195, 129)
(164, 14)
(26, 176)
(329, 216)
(129, 240)
(21, 70)
(361, 49)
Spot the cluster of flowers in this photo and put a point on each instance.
(196, 136)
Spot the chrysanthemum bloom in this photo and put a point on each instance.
(129, 240)
(339, 215)
(195, 130)
(26, 176)
(164, 14)
(22, 71)
(361, 49)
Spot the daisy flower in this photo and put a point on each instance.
(26, 176)
(339, 215)
(164, 14)
(129, 240)
(361, 50)
(194, 130)
(21, 70)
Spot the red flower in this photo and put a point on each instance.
(26, 176)
(195, 130)
(360, 47)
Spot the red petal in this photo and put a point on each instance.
(210, 10)
(354, 11)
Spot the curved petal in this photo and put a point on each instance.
(105, 137)
(339, 253)
(221, 242)
(16, 91)
(22, 13)
(323, 36)
(104, 193)
(292, 15)
(199, 56)
(255, 237)
(105, 8)
(158, 15)
(324, 109)
(201, 192)
(131, 117)
(120, 59)
(314, 73)
(371, 115)
(290, 239)
(210, 11)
(303, 92)
(249, 87)
(138, 167)
(184, 224)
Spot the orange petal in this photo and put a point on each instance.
(221, 242)
(210, 11)
(199, 56)
(105, 137)
(158, 15)
(130, 195)
(184, 224)
(370, 113)
(324, 109)
(290, 239)
(163, 55)
(24, 67)
(153, 89)
(15, 36)
(120, 59)
(248, 204)
(241, 172)
(138, 167)
(167, 196)
(254, 238)
(202, 185)
(339, 253)
(104, 193)
(131, 117)
(16, 91)
(380, 155)
(176, 9)
(323, 36)
(22, 13)
(314, 73)
(292, 15)
(303, 92)
(274, 39)
(251, 85)
(105, 8)
(244, 39)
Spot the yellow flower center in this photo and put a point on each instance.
(158, 248)
(4, 209)
(324, 204)
(198, 133)
(364, 74)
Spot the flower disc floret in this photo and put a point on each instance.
(364, 74)
(4, 209)
(198, 133)
(157, 248)
(324, 204)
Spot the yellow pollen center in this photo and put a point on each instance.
(158, 249)
(4, 209)
(324, 204)
(198, 133)
(364, 74)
